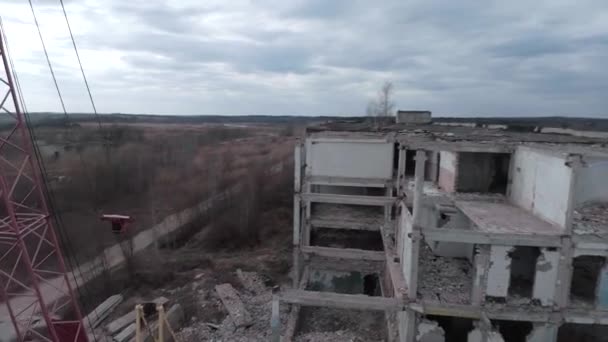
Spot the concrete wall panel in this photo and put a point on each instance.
(541, 184)
(602, 290)
(499, 273)
(448, 164)
(349, 159)
(546, 277)
(406, 222)
(592, 182)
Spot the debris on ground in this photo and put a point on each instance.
(257, 300)
(335, 336)
(443, 278)
(591, 218)
(102, 311)
(240, 316)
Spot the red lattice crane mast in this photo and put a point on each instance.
(36, 290)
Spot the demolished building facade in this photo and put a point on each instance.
(453, 233)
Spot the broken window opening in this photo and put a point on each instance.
(346, 238)
(396, 159)
(371, 285)
(483, 172)
(585, 275)
(523, 270)
(582, 333)
(456, 328)
(410, 162)
(513, 331)
(347, 190)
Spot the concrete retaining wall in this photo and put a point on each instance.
(592, 181)
(448, 164)
(540, 184)
(356, 159)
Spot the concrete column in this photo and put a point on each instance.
(297, 216)
(418, 185)
(406, 324)
(499, 273)
(564, 273)
(401, 171)
(543, 333)
(547, 267)
(602, 289)
(433, 164)
(297, 266)
(482, 264)
(576, 163)
(275, 319)
(388, 209)
(297, 161)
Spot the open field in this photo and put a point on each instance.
(147, 171)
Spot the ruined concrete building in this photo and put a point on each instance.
(452, 233)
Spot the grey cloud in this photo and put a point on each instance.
(328, 56)
(532, 46)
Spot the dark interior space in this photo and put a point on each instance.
(456, 328)
(513, 331)
(396, 158)
(431, 166)
(371, 285)
(348, 190)
(366, 324)
(585, 273)
(523, 269)
(410, 162)
(582, 333)
(346, 238)
(483, 172)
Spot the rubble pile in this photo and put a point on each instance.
(591, 218)
(257, 300)
(444, 279)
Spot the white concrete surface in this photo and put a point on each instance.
(371, 159)
(406, 223)
(546, 276)
(592, 181)
(430, 331)
(499, 273)
(543, 333)
(541, 184)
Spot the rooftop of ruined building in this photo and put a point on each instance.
(459, 137)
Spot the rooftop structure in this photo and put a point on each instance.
(453, 233)
(414, 116)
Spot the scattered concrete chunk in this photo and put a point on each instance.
(102, 311)
(430, 331)
(118, 324)
(126, 334)
(240, 316)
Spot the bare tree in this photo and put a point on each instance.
(385, 104)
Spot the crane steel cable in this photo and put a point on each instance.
(48, 60)
(106, 142)
(84, 77)
(72, 259)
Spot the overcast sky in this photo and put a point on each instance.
(316, 57)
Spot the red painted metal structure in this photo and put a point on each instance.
(36, 291)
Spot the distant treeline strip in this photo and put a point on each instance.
(49, 119)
